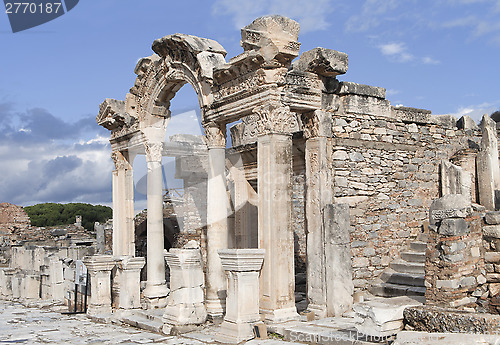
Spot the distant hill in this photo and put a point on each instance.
(50, 214)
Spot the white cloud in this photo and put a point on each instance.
(477, 111)
(396, 52)
(311, 14)
(430, 61)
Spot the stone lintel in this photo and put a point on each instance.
(241, 260)
(350, 88)
(323, 62)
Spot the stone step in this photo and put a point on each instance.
(412, 256)
(393, 290)
(418, 246)
(403, 266)
(393, 277)
(143, 322)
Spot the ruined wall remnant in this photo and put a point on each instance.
(13, 219)
(454, 267)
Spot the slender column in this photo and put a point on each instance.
(116, 216)
(274, 159)
(317, 128)
(217, 225)
(123, 205)
(156, 289)
(242, 267)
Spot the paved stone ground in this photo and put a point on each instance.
(23, 325)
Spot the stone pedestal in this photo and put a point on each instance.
(186, 301)
(156, 290)
(217, 224)
(274, 157)
(242, 303)
(129, 269)
(99, 268)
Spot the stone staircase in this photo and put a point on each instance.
(405, 276)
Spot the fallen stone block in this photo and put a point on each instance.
(382, 316)
(435, 319)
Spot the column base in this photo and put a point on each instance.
(234, 333)
(280, 315)
(99, 310)
(155, 296)
(319, 310)
(185, 314)
(216, 308)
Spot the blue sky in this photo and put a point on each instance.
(440, 55)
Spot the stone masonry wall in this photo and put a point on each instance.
(387, 170)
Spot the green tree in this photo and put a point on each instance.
(52, 214)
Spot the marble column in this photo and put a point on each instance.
(156, 289)
(129, 276)
(99, 268)
(217, 224)
(274, 159)
(319, 192)
(488, 170)
(186, 301)
(123, 204)
(242, 267)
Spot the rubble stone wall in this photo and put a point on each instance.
(387, 170)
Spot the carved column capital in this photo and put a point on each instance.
(317, 124)
(121, 162)
(153, 151)
(275, 118)
(215, 135)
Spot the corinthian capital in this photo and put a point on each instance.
(153, 151)
(215, 135)
(121, 162)
(275, 118)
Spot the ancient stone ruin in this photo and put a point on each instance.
(324, 180)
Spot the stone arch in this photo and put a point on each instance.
(179, 59)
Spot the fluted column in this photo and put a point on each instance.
(217, 224)
(156, 289)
